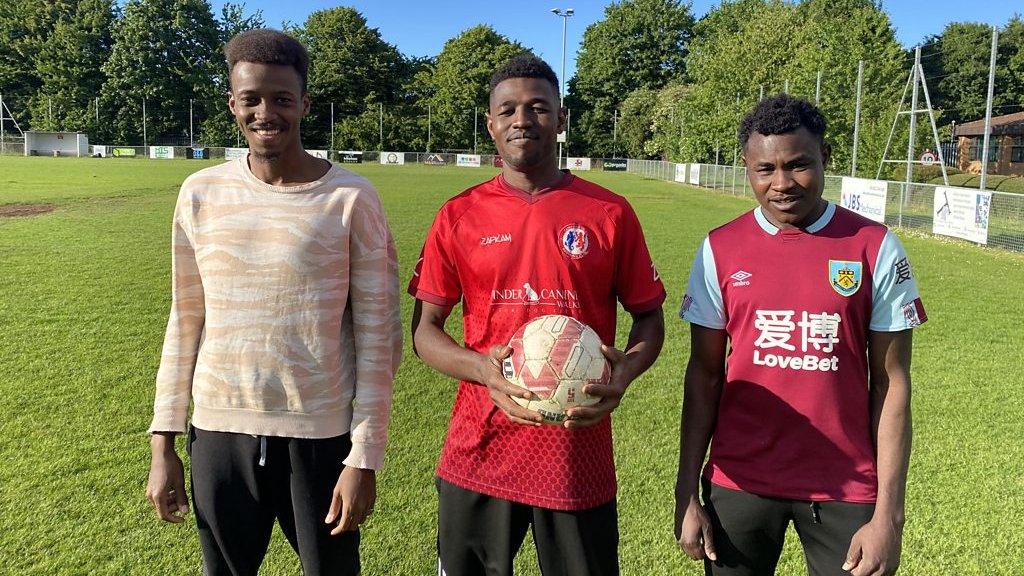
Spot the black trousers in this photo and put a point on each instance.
(749, 531)
(479, 535)
(242, 483)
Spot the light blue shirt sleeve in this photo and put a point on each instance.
(896, 303)
(702, 303)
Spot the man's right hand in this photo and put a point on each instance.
(166, 487)
(693, 528)
(502, 391)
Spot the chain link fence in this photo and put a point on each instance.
(909, 207)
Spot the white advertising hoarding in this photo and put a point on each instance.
(392, 158)
(468, 160)
(577, 164)
(161, 152)
(100, 151)
(318, 153)
(235, 153)
(865, 197)
(681, 170)
(695, 174)
(962, 213)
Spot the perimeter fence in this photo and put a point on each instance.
(911, 207)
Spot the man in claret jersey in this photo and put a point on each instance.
(532, 241)
(809, 421)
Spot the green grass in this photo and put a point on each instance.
(83, 305)
(996, 182)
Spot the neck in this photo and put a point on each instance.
(533, 180)
(291, 168)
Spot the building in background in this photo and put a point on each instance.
(1006, 145)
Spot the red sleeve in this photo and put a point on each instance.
(435, 278)
(637, 281)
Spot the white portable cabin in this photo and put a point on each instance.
(56, 144)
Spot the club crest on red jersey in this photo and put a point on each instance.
(575, 240)
(845, 276)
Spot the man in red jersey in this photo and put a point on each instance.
(809, 421)
(532, 241)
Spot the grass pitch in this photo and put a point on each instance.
(83, 305)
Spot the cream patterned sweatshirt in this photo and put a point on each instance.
(285, 313)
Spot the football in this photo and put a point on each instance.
(554, 356)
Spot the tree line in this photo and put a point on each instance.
(652, 81)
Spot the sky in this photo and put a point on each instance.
(421, 27)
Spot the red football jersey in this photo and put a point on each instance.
(509, 256)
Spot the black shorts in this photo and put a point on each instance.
(242, 483)
(479, 535)
(749, 531)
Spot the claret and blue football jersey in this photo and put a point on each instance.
(509, 256)
(798, 306)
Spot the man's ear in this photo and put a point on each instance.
(826, 153)
(487, 117)
(305, 103)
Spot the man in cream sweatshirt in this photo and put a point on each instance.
(284, 335)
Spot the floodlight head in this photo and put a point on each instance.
(569, 12)
(556, 11)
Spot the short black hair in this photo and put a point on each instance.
(782, 114)
(525, 65)
(268, 46)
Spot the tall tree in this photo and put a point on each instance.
(217, 124)
(18, 78)
(68, 65)
(165, 53)
(458, 85)
(958, 62)
(351, 67)
(639, 44)
(729, 61)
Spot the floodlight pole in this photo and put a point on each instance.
(476, 113)
(856, 118)
(988, 108)
(817, 90)
(615, 134)
(191, 133)
(380, 145)
(97, 112)
(145, 140)
(332, 127)
(429, 128)
(564, 15)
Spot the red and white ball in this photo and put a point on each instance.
(554, 356)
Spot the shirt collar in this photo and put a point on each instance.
(814, 228)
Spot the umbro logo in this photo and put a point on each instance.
(741, 278)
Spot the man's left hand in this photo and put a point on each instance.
(875, 549)
(610, 393)
(354, 496)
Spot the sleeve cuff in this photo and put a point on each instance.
(646, 306)
(702, 321)
(167, 423)
(433, 298)
(365, 456)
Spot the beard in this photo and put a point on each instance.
(265, 157)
